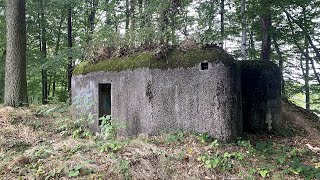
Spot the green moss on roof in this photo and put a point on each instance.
(175, 59)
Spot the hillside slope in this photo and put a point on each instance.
(43, 143)
(305, 122)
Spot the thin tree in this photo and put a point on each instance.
(69, 69)
(15, 75)
(265, 28)
(244, 30)
(306, 75)
(222, 22)
(43, 50)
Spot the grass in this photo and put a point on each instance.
(35, 146)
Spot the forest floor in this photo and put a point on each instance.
(43, 143)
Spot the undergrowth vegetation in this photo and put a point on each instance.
(44, 143)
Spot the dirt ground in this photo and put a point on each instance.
(44, 144)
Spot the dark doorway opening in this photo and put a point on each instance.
(104, 100)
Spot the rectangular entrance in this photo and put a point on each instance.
(104, 100)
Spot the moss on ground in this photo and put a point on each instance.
(174, 59)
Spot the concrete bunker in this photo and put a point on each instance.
(198, 90)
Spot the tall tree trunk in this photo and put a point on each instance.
(132, 22)
(306, 77)
(62, 18)
(276, 45)
(127, 15)
(69, 69)
(49, 86)
(306, 82)
(44, 74)
(92, 16)
(222, 22)
(15, 75)
(163, 23)
(252, 47)
(147, 19)
(265, 28)
(175, 4)
(244, 31)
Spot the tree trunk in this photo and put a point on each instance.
(252, 47)
(15, 75)
(132, 23)
(276, 45)
(244, 31)
(127, 15)
(92, 16)
(44, 75)
(265, 28)
(62, 18)
(306, 83)
(306, 77)
(163, 23)
(69, 69)
(222, 22)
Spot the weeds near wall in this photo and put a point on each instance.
(109, 128)
(79, 128)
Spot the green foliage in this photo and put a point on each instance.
(79, 169)
(124, 169)
(42, 153)
(78, 128)
(204, 138)
(109, 128)
(112, 146)
(280, 156)
(175, 137)
(221, 161)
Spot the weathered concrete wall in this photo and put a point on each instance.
(154, 101)
(261, 96)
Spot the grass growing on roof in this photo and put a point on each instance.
(175, 59)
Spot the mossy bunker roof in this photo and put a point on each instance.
(174, 59)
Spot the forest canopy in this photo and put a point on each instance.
(61, 34)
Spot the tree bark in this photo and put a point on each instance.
(92, 16)
(244, 31)
(265, 28)
(306, 77)
(276, 45)
(44, 74)
(70, 68)
(127, 15)
(252, 47)
(15, 75)
(222, 22)
(62, 18)
(132, 22)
